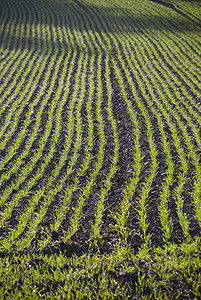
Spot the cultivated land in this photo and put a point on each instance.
(100, 149)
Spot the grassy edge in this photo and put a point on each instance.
(171, 272)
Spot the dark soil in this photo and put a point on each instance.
(81, 242)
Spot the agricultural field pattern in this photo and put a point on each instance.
(100, 149)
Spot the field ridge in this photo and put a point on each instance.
(100, 166)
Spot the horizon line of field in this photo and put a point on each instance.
(146, 95)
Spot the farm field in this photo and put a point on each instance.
(100, 149)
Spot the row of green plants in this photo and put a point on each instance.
(153, 68)
(77, 210)
(185, 227)
(28, 168)
(35, 200)
(71, 58)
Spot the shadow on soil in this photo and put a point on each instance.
(83, 18)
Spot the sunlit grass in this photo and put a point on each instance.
(66, 67)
